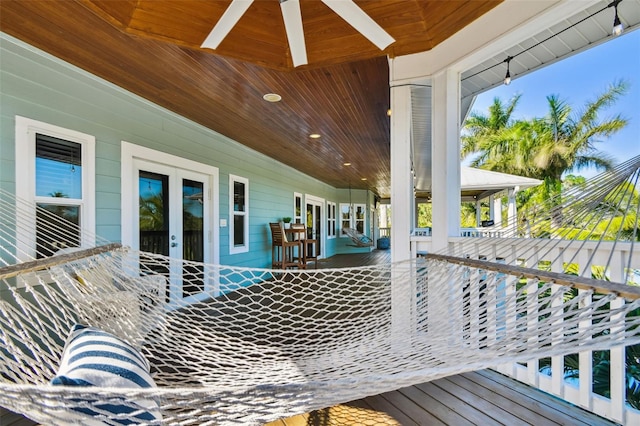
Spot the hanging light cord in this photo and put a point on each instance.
(613, 4)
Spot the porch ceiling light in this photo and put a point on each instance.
(507, 77)
(272, 97)
(314, 135)
(617, 25)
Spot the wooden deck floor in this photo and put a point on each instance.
(477, 398)
(356, 259)
(481, 398)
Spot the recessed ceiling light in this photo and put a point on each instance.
(346, 164)
(272, 97)
(314, 136)
(363, 179)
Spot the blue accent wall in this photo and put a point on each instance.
(41, 87)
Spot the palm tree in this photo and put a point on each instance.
(543, 148)
(485, 132)
(566, 142)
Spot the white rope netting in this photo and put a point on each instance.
(587, 224)
(258, 344)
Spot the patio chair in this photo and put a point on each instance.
(283, 252)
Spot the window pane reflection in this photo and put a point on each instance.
(58, 168)
(57, 227)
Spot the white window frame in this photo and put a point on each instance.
(355, 220)
(25, 139)
(298, 218)
(352, 219)
(233, 249)
(332, 227)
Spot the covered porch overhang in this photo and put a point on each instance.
(432, 92)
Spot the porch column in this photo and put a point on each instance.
(492, 211)
(402, 199)
(497, 211)
(512, 212)
(478, 213)
(445, 151)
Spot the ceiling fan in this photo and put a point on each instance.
(346, 9)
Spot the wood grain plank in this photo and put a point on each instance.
(560, 411)
(429, 411)
(530, 413)
(382, 404)
(483, 401)
(432, 401)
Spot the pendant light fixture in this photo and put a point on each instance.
(617, 25)
(507, 77)
(616, 30)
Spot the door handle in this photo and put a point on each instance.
(174, 244)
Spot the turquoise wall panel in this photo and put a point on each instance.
(38, 86)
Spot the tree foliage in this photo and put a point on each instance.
(545, 148)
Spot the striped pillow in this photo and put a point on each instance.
(93, 357)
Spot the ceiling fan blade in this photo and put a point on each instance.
(229, 19)
(358, 19)
(295, 34)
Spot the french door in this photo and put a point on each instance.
(172, 218)
(314, 220)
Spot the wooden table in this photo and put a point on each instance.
(299, 234)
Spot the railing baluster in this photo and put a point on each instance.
(617, 369)
(617, 354)
(585, 359)
(588, 255)
(557, 362)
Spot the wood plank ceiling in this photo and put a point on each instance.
(152, 48)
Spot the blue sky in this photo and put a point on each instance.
(578, 80)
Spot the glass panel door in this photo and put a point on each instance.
(172, 220)
(192, 236)
(314, 221)
(154, 221)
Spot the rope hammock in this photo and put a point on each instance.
(88, 335)
(359, 239)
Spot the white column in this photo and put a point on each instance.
(492, 211)
(478, 213)
(512, 212)
(445, 165)
(402, 199)
(497, 211)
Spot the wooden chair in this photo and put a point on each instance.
(283, 253)
(309, 245)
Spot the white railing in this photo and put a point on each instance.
(384, 232)
(489, 231)
(485, 232)
(585, 255)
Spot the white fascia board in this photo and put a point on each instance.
(502, 27)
